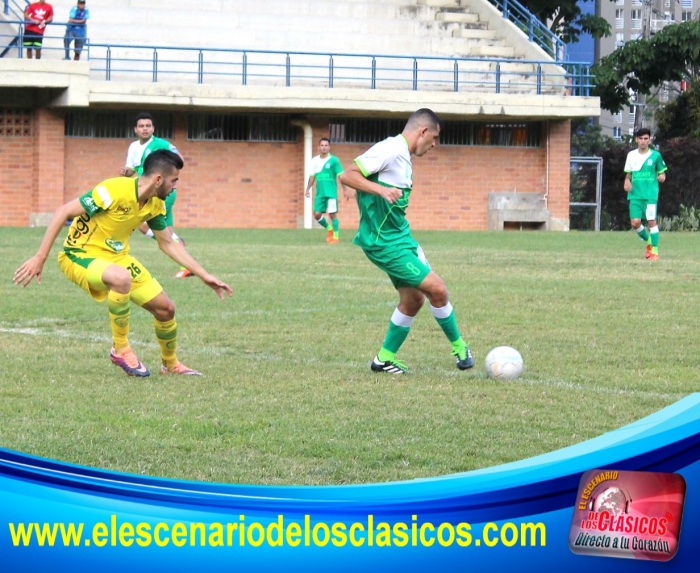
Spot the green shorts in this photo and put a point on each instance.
(169, 204)
(325, 204)
(641, 209)
(406, 267)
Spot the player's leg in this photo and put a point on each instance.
(435, 290)
(105, 280)
(335, 223)
(636, 211)
(152, 297)
(406, 271)
(653, 231)
(410, 302)
(320, 207)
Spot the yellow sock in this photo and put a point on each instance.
(166, 334)
(119, 315)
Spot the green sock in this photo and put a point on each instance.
(654, 233)
(322, 221)
(399, 327)
(447, 320)
(336, 227)
(643, 234)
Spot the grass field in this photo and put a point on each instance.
(287, 396)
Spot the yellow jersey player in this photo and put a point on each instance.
(96, 257)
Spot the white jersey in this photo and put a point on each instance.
(388, 162)
(135, 153)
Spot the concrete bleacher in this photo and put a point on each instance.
(436, 28)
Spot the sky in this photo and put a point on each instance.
(582, 51)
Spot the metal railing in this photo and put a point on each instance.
(332, 70)
(15, 8)
(52, 40)
(193, 65)
(535, 30)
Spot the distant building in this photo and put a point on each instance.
(627, 19)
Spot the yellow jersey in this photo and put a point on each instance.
(112, 214)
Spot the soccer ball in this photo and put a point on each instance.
(504, 363)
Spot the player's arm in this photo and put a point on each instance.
(34, 266)
(661, 172)
(628, 182)
(346, 193)
(353, 177)
(309, 185)
(179, 254)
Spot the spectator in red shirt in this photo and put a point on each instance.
(36, 16)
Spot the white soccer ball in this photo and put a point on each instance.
(504, 363)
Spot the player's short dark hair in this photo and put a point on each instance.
(324, 139)
(423, 117)
(143, 115)
(162, 161)
(643, 131)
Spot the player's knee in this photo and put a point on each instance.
(165, 311)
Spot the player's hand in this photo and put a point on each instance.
(661, 178)
(30, 269)
(391, 194)
(218, 286)
(628, 185)
(307, 193)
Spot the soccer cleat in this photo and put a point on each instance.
(333, 241)
(128, 362)
(183, 274)
(648, 252)
(390, 366)
(653, 257)
(465, 360)
(329, 237)
(179, 368)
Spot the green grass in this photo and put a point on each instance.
(287, 396)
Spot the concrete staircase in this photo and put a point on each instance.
(432, 28)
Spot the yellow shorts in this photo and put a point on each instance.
(86, 272)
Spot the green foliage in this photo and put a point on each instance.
(587, 139)
(681, 117)
(671, 55)
(287, 396)
(566, 20)
(686, 220)
(682, 156)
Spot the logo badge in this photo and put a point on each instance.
(116, 246)
(631, 515)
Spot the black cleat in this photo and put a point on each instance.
(465, 360)
(390, 366)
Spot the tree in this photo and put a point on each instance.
(681, 117)
(671, 55)
(587, 139)
(567, 20)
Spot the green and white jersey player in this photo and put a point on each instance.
(326, 169)
(644, 170)
(383, 178)
(146, 144)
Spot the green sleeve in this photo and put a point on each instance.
(88, 203)
(157, 223)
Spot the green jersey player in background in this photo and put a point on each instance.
(326, 169)
(383, 178)
(645, 169)
(146, 144)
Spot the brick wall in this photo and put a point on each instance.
(260, 185)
